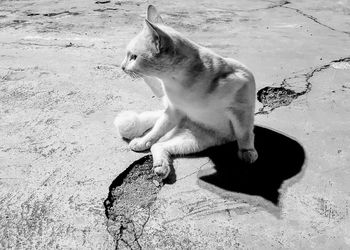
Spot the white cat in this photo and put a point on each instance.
(209, 100)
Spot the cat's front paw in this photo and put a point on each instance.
(139, 144)
(162, 168)
(248, 156)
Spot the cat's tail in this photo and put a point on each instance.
(131, 125)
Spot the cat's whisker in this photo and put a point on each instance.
(131, 74)
(135, 75)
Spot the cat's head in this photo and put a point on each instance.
(151, 51)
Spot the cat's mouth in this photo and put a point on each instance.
(133, 74)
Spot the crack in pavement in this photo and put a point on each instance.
(194, 172)
(275, 97)
(61, 13)
(283, 4)
(275, 5)
(272, 6)
(314, 19)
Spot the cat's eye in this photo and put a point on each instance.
(133, 57)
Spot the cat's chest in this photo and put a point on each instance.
(186, 99)
(204, 109)
(196, 106)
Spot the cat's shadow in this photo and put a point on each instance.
(281, 158)
(280, 164)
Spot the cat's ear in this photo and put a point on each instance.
(161, 40)
(153, 15)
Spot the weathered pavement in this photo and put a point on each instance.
(61, 87)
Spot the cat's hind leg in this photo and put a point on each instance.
(131, 124)
(180, 142)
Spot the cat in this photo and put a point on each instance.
(209, 99)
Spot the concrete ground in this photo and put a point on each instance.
(61, 87)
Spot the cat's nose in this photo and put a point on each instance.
(123, 65)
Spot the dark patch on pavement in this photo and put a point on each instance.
(33, 14)
(52, 14)
(280, 158)
(102, 2)
(106, 9)
(274, 97)
(128, 206)
(70, 44)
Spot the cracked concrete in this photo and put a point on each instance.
(61, 87)
(270, 6)
(293, 87)
(314, 19)
(129, 202)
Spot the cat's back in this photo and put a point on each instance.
(222, 77)
(206, 78)
(204, 61)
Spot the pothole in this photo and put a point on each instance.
(129, 202)
(274, 97)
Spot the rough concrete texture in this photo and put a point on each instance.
(61, 87)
